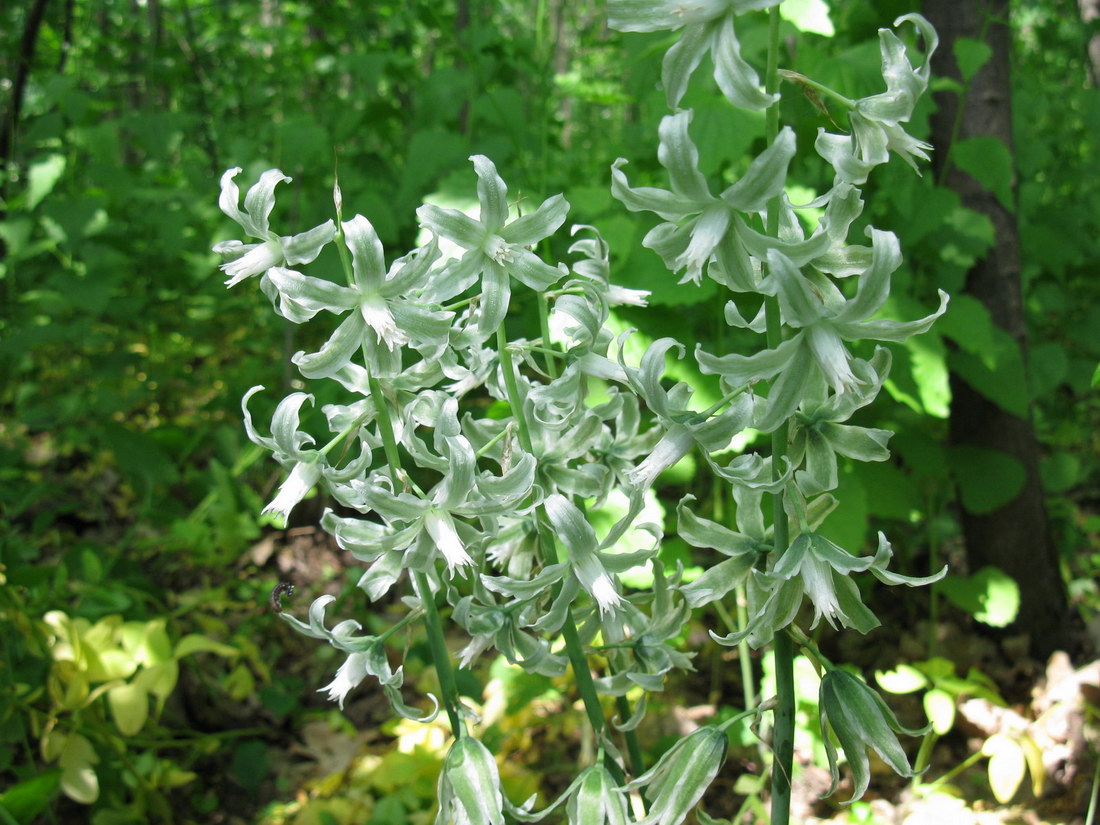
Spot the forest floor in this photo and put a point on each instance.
(1042, 737)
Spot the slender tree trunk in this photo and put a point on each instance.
(23, 64)
(1015, 537)
(1090, 13)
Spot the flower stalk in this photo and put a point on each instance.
(783, 650)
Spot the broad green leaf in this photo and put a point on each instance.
(968, 324)
(902, 679)
(1033, 755)
(971, 55)
(42, 176)
(25, 800)
(990, 595)
(988, 161)
(130, 708)
(987, 479)
(1003, 381)
(79, 781)
(1060, 472)
(1048, 366)
(1007, 766)
(939, 705)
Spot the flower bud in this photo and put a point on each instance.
(682, 775)
(861, 720)
(469, 786)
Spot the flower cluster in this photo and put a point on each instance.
(492, 514)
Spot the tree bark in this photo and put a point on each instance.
(1016, 538)
(1090, 13)
(23, 65)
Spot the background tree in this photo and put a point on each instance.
(1014, 536)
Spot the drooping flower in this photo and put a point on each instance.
(243, 260)
(708, 27)
(812, 304)
(684, 428)
(861, 720)
(877, 120)
(292, 448)
(682, 775)
(366, 657)
(697, 222)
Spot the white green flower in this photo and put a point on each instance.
(698, 223)
(861, 720)
(385, 313)
(247, 260)
(708, 27)
(496, 248)
(824, 319)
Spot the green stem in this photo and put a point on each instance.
(955, 771)
(544, 326)
(797, 635)
(436, 641)
(633, 748)
(440, 657)
(783, 731)
(548, 552)
(810, 83)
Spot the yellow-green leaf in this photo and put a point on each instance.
(130, 707)
(1034, 756)
(940, 707)
(197, 643)
(78, 778)
(240, 682)
(1007, 766)
(902, 679)
(159, 680)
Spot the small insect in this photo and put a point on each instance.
(282, 588)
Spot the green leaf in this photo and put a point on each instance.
(79, 781)
(196, 643)
(1048, 367)
(42, 176)
(1007, 766)
(902, 679)
(939, 705)
(1060, 472)
(987, 479)
(971, 55)
(989, 162)
(1002, 378)
(250, 764)
(27, 799)
(990, 595)
(967, 322)
(130, 708)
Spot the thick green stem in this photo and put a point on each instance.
(437, 643)
(548, 551)
(440, 657)
(783, 731)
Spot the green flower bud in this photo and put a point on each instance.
(861, 720)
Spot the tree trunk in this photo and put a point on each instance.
(1090, 13)
(1016, 537)
(22, 72)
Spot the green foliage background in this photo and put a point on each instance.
(127, 488)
